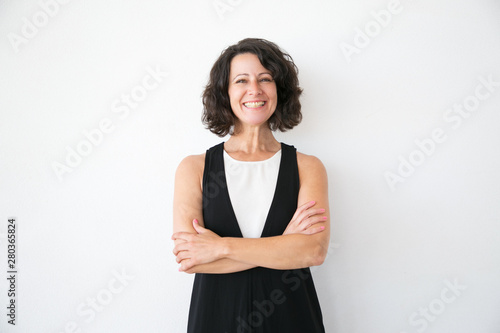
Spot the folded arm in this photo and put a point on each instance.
(303, 244)
(188, 205)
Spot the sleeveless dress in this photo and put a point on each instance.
(258, 300)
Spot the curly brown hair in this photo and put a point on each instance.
(217, 114)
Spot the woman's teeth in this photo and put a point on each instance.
(254, 104)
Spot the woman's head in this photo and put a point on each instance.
(218, 115)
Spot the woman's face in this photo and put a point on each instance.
(252, 90)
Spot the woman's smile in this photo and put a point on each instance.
(254, 104)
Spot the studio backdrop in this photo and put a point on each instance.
(101, 100)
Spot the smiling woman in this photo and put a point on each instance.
(251, 214)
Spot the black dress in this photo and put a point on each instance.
(258, 300)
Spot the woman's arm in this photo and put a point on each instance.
(188, 206)
(288, 251)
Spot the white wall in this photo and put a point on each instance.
(396, 251)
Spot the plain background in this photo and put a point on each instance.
(393, 252)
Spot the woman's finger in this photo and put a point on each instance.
(314, 230)
(304, 217)
(182, 255)
(302, 208)
(182, 235)
(197, 227)
(186, 265)
(311, 223)
(309, 214)
(180, 247)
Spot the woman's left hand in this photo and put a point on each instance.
(196, 249)
(305, 220)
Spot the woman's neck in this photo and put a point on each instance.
(252, 143)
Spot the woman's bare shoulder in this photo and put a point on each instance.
(192, 164)
(313, 180)
(193, 159)
(311, 169)
(309, 162)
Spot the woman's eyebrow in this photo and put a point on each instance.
(239, 75)
(246, 74)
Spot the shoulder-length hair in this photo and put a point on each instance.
(218, 116)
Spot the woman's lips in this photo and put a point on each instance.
(254, 105)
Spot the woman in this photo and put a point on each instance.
(236, 221)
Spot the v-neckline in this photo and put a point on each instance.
(228, 198)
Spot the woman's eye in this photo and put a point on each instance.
(261, 80)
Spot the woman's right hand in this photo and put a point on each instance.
(304, 220)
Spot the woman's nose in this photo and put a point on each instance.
(254, 88)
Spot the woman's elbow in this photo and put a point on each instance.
(319, 256)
